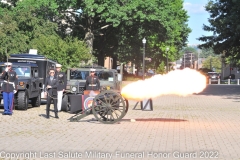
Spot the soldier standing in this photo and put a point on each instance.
(9, 87)
(62, 83)
(50, 89)
(92, 81)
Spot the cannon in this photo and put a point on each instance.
(108, 107)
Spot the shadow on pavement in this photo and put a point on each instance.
(156, 119)
(221, 90)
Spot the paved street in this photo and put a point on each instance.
(201, 126)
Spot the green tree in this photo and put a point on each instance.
(161, 68)
(30, 25)
(111, 25)
(213, 63)
(69, 52)
(12, 39)
(225, 24)
(107, 26)
(206, 52)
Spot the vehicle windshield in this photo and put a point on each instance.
(213, 74)
(82, 75)
(21, 71)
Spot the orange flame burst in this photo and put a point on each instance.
(179, 82)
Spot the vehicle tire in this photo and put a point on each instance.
(22, 100)
(36, 101)
(65, 103)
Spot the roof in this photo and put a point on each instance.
(94, 66)
(97, 69)
(20, 64)
(26, 55)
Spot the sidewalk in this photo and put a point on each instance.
(192, 127)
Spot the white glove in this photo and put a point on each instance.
(14, 91)
(6, 69)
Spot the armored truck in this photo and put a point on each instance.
(29, 85)
(32, 71)
(76, 81)
(43, 63)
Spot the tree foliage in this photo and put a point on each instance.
(213, 63)
(65, 51)
(206, 52)
(109, 28)
(31, 25)
(225, 24)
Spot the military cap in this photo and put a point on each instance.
(92, 70)
(8, 64)
(58, 65)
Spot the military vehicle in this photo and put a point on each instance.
(32, 71)
(76, 80)
(29, 85)
(43, 63)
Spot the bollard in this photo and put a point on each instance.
(209, 81)
(219, 81)
(237, 81)
(228, 81)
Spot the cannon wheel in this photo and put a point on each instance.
(109, 107)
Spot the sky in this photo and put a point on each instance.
(198, 17)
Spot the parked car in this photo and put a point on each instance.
(213, 76)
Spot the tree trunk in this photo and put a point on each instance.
(114, 62)
(101, 58)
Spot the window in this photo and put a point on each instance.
(106, 76)
(80, 75)
(20, 70)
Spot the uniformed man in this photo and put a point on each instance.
(50, 89)
(9, 87)
(92, 81)
(62, 83)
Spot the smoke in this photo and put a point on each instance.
(178, 82)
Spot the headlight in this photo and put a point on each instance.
(107, 88)
(74, 89)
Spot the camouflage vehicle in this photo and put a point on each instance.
(76, 80)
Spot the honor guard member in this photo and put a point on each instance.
(62, 83)
(9, 87)
(92, 81)
(50, 89)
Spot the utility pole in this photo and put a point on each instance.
(198, 59)
(184, 60)
(191, 61)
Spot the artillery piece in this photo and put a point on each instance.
(107, 107)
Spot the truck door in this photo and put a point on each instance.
(35, 82)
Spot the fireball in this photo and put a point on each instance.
(178, 82)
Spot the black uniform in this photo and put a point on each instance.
(62, 80)
(10, 81)
(51, 94)
(92, 83)
(8, 87)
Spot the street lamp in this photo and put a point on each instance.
(144, 42)
(167, 49)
